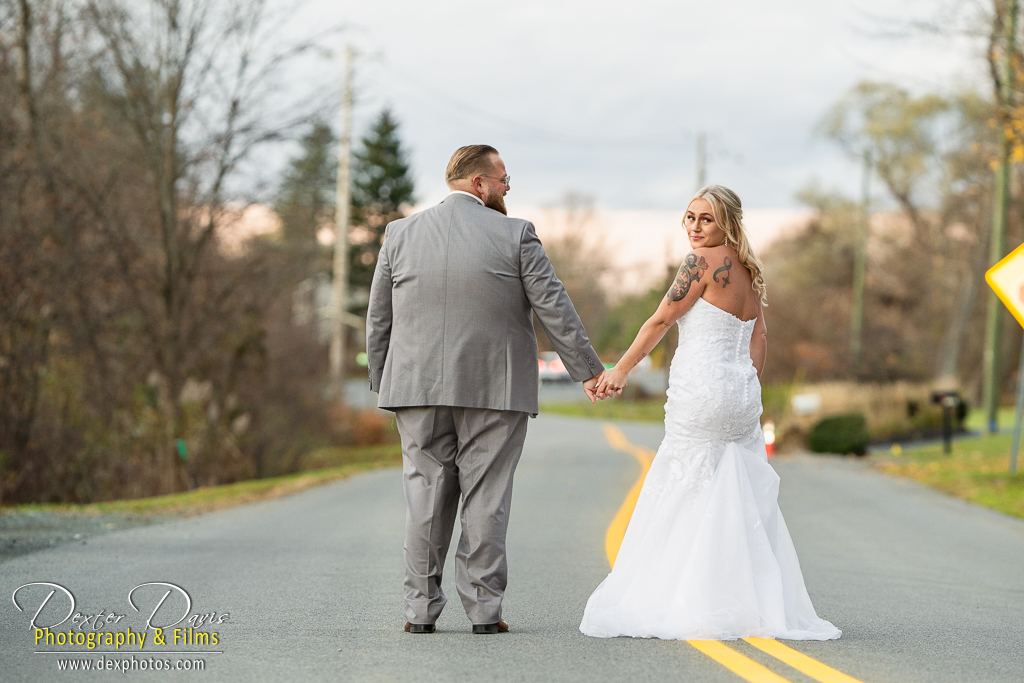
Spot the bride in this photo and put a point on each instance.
(707, 554)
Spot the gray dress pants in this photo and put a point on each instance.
(448, 452)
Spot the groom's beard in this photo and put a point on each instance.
(497, 202)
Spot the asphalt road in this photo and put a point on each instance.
(925, 588)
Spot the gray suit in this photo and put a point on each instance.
(451, 349)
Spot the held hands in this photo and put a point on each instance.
(606, 384)
(610, 382)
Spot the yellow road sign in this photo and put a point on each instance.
(1006, 279)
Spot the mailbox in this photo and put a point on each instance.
(946, 399)
(950, 402)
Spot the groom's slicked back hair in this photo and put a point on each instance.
(469, 161)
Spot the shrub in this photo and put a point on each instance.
(840, 434)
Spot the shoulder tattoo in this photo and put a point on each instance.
(691, 271)
(725, 277)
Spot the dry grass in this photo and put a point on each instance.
(884, 405)
(976, 471)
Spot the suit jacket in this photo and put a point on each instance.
(450, 318)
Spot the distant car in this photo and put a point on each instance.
(551, 368)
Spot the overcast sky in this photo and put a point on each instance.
(606, 98)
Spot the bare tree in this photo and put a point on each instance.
(136, 357)
(580, 261)
(189, 82)
(932, 154)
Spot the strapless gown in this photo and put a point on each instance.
(707, 554)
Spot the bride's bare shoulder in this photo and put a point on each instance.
(712, 252)
(714, 257)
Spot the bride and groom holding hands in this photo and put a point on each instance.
(451, 350)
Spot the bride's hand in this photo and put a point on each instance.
(611, 382)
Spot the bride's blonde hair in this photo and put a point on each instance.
(728, 212)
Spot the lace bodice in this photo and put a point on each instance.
(714, 398)
(713, 388)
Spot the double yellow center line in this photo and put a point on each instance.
(741, 665)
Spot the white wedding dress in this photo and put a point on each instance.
(707, 554)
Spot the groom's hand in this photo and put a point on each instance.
(590, 387)
(611, 382)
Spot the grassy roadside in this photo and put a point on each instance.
(976, 471)
(323, 466)
(976, 422)
(651, 410)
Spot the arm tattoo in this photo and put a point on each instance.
(691, 271)
(725, 277)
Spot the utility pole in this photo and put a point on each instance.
(1018, 422)
(702, 159)
(341, 220)
(997, 237)
(860, 270)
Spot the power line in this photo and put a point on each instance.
(477, 114)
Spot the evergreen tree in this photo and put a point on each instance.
(381, 186)
(306, 198)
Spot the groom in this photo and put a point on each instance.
(452, 351)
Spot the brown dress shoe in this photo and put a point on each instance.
(490, 629)
(420, 628)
